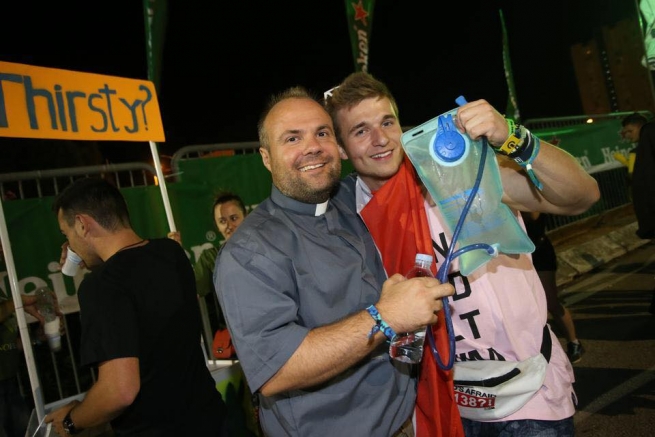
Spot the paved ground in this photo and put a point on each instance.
(615, 380)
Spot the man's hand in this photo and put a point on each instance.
(480, 119)
(176, 236)
(409, 304)
(29, 306)
(64, 253)
(57, 418)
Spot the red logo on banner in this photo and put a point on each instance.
(360, 12)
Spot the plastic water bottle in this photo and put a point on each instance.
(408, 346)
(46, 304)
(448, 163)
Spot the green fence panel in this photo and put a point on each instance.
(592, 144)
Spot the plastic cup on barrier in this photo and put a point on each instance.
(51, 330)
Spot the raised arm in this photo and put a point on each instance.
(567, 189)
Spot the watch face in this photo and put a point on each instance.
(68, 424)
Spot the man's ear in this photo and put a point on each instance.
(342, 153)
(83, 224)
(266, 159)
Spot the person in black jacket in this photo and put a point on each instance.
(643, 174)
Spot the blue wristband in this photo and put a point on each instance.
(527, 157)
(380, 325)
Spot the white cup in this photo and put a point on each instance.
(72, 264)
(51, 330)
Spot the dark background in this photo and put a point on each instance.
(221, 60)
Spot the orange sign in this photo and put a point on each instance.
(38, 102)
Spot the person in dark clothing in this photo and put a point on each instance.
(14, 407)
(643, 174)
(140, 326)
(544, 260)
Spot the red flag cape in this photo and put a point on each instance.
(396, 218)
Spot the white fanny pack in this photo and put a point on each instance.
(492, 389)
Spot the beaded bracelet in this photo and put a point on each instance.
(380, 325)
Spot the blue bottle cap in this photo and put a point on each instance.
(449, 145)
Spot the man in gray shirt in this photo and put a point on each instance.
(306, 297)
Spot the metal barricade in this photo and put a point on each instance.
(204, 150)
(41, 183)
(613, 181)
(556, 122)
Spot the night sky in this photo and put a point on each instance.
(222, 59)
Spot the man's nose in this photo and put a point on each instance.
(314, 145)
(379, 137)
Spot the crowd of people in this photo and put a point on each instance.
(311, 288)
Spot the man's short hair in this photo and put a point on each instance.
(354, 89)
(98, 199)
(296, 92)
(634, 118)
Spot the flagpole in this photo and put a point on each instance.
(37, 391)
(644, 49)
(512, 110)
(149, 16)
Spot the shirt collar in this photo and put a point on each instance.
(363, 194)
(297, 206)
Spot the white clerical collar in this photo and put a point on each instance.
(321, 208)
(307, 209)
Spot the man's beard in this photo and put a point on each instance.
(301, 191)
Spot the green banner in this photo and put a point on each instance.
(512, 110)
(360, 19)
(155, 13)
(592, 144)
(200, 180)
